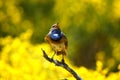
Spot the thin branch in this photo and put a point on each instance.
(61, 64)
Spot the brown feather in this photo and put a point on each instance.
(58, 46)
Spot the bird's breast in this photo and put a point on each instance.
(55, 37)
(59, 48)
(55, 34)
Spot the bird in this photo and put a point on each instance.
(57, 40)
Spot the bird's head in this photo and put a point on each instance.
(55, 26)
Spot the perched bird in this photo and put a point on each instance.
(57, 40)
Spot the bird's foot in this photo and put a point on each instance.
(63, 61)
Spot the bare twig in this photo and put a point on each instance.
(61, 64)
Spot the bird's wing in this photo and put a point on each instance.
(65, 41)
(46, 38)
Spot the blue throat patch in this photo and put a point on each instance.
(56, 34)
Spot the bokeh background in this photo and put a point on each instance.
(91, 26)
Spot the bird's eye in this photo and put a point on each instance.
(53, 26)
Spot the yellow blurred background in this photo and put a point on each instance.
(91, 26)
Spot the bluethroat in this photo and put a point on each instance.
(57, 40)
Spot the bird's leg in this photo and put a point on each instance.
(53, 55)
(54, 52)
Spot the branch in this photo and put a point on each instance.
(61, 64)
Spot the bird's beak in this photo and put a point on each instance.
(57, 25)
